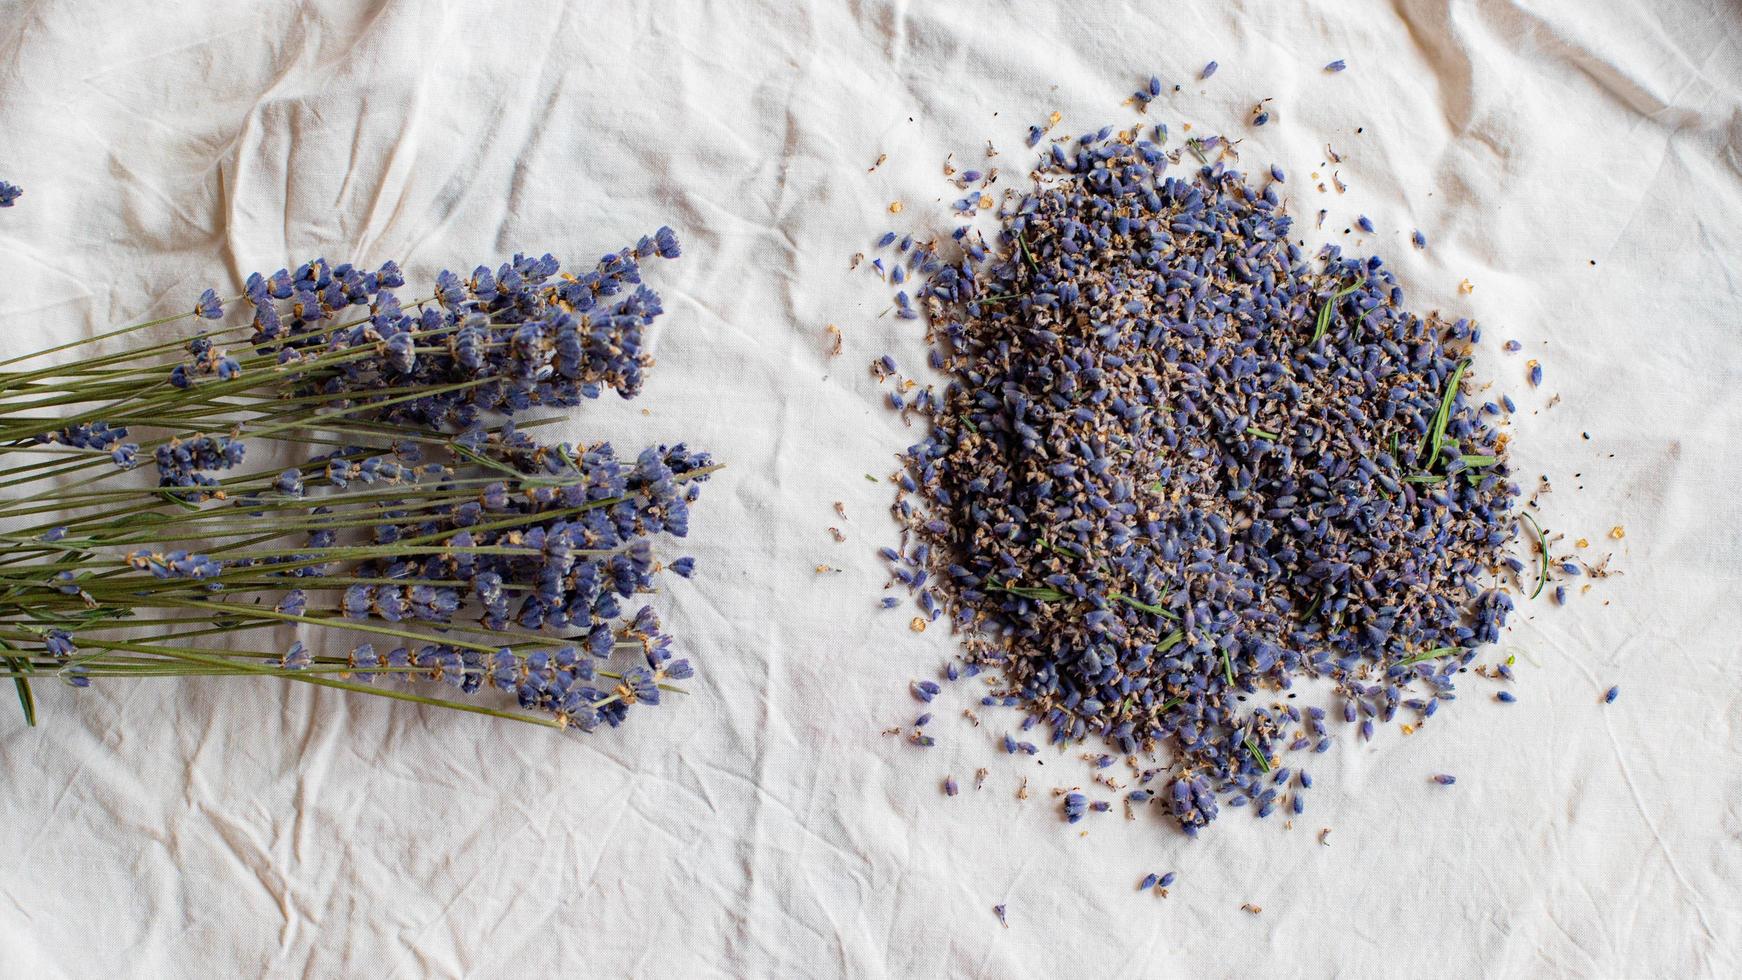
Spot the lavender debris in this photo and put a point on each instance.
(1179, 464)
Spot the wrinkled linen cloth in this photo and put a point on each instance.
(1577, 164)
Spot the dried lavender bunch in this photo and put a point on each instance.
(1178, 466)
(431, 535)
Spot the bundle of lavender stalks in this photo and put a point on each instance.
(320, 483)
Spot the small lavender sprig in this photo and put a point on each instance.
(474, 553)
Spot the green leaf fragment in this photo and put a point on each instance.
(1323, 324)
(1433, 654)
(1257, 756)
(1542, 549)
(1036, 592)
(1146, 607)
(1437, 435)
(26, 700)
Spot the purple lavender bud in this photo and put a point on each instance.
(296, 658)
(294, 603)
(59, 644)
(1075, 806)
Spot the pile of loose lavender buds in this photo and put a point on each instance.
(419, 531)
(1180, 466)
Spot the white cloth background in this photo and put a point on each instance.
(1579, 162)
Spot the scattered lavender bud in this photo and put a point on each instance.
(1075, 806)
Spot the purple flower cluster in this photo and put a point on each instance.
(462, 519)
(553, 551)
(579, 544)
(1178, 464)
(177, 563)
(184, 464)
(496, 341)
(9, 194)
(96, 436)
